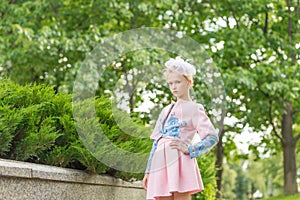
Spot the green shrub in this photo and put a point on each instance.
(37, 125)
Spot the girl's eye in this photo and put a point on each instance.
(175, 82)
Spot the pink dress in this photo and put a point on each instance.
(169, 169)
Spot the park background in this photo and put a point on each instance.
(254, 44)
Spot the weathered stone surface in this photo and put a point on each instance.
(20, 180)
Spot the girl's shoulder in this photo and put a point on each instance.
(193, 105)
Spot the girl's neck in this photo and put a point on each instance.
(184, 99)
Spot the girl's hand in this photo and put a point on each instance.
(145, 181)
(180, 145)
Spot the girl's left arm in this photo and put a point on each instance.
(204, 146)
(154, 136)
(208, 134)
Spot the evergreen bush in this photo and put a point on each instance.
(37, 125)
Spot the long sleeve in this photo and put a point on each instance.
(155, 136)
(147, 171)
(208, 134)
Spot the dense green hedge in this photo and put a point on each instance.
(37, 125)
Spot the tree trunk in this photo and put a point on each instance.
(288, 141)
(219, 164)
(289, 148)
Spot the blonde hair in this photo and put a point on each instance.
(188, 78)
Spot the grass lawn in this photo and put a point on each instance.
(283, 197)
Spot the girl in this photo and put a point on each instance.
(172, 171)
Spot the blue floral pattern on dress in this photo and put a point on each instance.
(202, 147)
(173, 127)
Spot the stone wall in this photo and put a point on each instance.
(22, 181)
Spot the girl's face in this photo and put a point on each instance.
(178, 85)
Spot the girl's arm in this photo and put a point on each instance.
(208, 134)
(147, 171)
(155, 136)
(204, 146)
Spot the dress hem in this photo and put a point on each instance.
(170, 193)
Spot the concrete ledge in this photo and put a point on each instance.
(20, 180)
